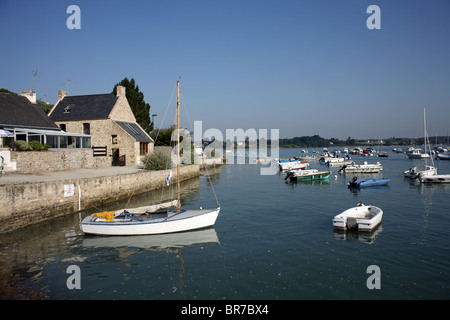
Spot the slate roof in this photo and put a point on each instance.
(87, 107)
(17, 111)
(134, 130)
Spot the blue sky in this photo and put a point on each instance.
(304, 67)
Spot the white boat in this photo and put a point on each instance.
(340, 162)
(315, 156)
(293, 164)
(147, 220)
(335, 161)
(362, 217)
(417, 153)
(309, 158)
(362, 168)
(442, 156)
(420, 171)
(437, 178)
(302, 165)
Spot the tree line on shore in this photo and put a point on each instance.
(317, 141)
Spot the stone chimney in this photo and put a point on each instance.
(120, 91)
(30, 95)
(61, 94)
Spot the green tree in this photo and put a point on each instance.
(7, 91)
(44, 106)
(163, 137)
(140, 108)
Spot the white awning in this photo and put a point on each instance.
(45, 132)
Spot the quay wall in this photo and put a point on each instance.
(23, 204)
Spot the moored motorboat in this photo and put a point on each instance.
(362, 218)
(334, 161)
(442, 156)
(338, 163)
(420, 171)
(361, 168)
(417, 153)
(293, 164)
(368, 182)
(438, 178)
(307, 175)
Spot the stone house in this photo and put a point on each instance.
(22, 119)
(110, 122)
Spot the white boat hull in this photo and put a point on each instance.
(362, 168)
(339, 163)
(438, 178)
(363, 218)
(174, 222)
(417, 154)
(293, 165)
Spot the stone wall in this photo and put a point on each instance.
(57, 160)
(28, 203)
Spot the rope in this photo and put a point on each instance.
(214, 191)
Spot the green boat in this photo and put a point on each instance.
(307, 175)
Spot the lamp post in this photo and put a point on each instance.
(153, 120)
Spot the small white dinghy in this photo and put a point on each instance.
(362, 217)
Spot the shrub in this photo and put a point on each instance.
(19, 145)
(157, 161)
(35, 145)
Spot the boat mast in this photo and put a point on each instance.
(178, 145)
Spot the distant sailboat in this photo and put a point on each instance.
(147, 220)
(424, 170)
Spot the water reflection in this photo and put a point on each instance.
(377, 189)
(164, 242)
(353, 235)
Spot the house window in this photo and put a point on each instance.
(86, 128)
(62, 126)
(114, 139)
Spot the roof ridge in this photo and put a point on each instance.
(93, 94)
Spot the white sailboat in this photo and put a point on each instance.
(147, 220)
(423, 170)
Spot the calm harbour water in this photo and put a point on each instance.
(272, 240)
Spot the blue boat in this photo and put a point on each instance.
(368, 182)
